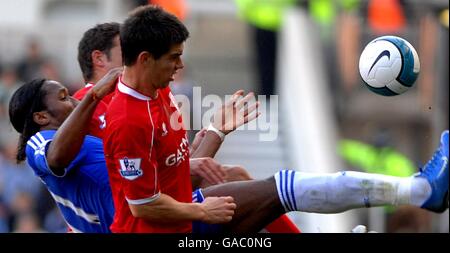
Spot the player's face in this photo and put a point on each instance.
(164, 69)
(59, 103)
(115, 55)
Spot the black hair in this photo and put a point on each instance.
(28, 99)
(151, 29)
(101, 37)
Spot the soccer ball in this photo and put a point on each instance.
(389, 65)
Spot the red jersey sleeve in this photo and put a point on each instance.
(135, 162)
(97, 123)
(79, 94)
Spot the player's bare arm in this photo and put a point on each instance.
(167, 210)
(70, 136)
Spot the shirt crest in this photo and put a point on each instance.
(130, 168)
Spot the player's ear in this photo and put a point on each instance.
(98, 58)
(41, 118)
(145, 57)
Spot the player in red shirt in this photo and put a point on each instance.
(149, 168)
(150, 174)
(146, 153)
(98, 52)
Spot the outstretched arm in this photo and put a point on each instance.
(166, 209)
(68, 139)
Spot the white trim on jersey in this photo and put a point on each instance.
(129, 91)
(143, 201)
(91, 218)
(36, 141)
(151, 146)
(201, 193)
(197, 196)
(38, 144)
(74, 230)
(31, 144)
(88, 85)
(41, 138)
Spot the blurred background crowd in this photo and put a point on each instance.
(239, 44)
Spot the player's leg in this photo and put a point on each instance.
(338, 192)
(237, 173)
(261, 201)
(257, 203)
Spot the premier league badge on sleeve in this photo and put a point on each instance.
(130, 168)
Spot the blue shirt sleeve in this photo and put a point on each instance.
(36, 151)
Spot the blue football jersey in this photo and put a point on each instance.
(83, 193)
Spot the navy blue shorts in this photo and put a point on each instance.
(199, 227)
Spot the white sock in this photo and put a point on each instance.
(342, 191)
(420, 191)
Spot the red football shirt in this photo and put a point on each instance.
(146, 155)
(97, 123)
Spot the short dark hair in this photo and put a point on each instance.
(150, 28)
(101, 37)
(28, 99)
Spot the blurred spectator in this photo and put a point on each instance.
(8, 84)
(339, 28)
(27, 223)
(50, 71)
(4, 224)
(4, 212)
(30, 67)
(264, 19)
(348, 47)
(325, 13)
(386, 16)
(54, 222)
(380, 157)
(22, 203)
(20, 190)
(17, 178)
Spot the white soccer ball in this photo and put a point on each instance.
(389, 65)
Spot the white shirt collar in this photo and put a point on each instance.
(129, 91)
